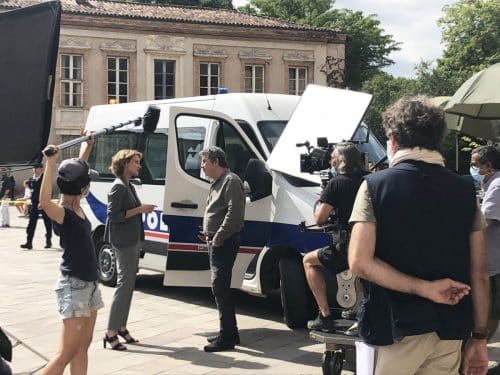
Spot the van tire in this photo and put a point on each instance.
(296, 298)
(106, 264)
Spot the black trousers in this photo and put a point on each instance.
(221, 265)
(30, 230)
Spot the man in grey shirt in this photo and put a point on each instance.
(222, 223)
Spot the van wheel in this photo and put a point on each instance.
(106, 264)
(296, 298)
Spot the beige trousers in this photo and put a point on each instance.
(423, 354)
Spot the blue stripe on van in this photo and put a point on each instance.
(185, 229)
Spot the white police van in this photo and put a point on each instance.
(247, 127)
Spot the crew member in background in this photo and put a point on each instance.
(338, 196)
(418, 245)
(6, 195)
(35, 182)
(485, 168)
(222, 223)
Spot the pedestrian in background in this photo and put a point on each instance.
(222, 223)
(77, 292)
(6, 195)
(125, 232)
(24, 202)
(35, 183)
(418, 245)
(485, 168)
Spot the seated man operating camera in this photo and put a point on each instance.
(335, 203)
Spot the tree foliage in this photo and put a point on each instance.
(367, 48)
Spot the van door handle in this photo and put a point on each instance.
(184, 205)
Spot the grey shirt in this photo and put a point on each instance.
(491, 211)
(225, 210)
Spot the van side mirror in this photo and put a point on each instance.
(259, 179)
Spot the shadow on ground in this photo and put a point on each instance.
(266, 308)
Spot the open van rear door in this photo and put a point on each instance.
(186, 191)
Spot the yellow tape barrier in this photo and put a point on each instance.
(21, 201)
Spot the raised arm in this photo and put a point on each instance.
(86, 149)
(53, 210)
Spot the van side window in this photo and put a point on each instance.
(191, 133)
(105, 147)
(237, 151)
(155, 156)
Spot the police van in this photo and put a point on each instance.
(259, 133)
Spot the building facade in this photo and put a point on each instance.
(115, 52)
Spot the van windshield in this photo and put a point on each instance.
(271, 132)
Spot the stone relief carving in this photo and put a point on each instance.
(156, 43)
(305, 56)
(334, 68)
(74, 43)
(209, 51)
(119, 45)
(254, 53)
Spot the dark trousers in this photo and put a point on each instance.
(221, 265)
(30, 230)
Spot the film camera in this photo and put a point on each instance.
(317, 158)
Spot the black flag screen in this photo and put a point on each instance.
(29, 39)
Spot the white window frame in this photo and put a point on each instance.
(116, 96)
(209, 77)
(254, 66)
(297, 70)
(71, 81)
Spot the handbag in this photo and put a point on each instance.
(5, 346)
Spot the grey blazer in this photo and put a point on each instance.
(121, 232)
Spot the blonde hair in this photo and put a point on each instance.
(120, 160)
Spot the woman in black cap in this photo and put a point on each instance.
(78, 296)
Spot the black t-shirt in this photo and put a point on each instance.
(340, 192)
(79, 258)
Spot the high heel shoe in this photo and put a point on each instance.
(129, 339)
(118, 346)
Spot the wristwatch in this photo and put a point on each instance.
(480, 334)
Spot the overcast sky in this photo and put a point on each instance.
(411, 22)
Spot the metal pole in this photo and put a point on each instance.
(456, 151)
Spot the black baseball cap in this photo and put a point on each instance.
(71, 169)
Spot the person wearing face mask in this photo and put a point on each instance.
(125, 232)
(77, 291)
(485, 168)
(338, 195)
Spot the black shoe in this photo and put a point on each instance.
(220, 344)
(48, 244)
(321, 323)
(235, 338)
(27, 245)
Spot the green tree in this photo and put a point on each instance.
(385, 89)
(368, 47)
(471, 33)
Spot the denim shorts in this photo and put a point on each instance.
(77, 298)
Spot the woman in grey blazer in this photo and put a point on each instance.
(125, 232)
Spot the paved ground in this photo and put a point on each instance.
(172, 323)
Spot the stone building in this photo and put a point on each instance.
(114, 52)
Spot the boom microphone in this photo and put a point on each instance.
(149, 123)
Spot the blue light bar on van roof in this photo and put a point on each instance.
(222, 90)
